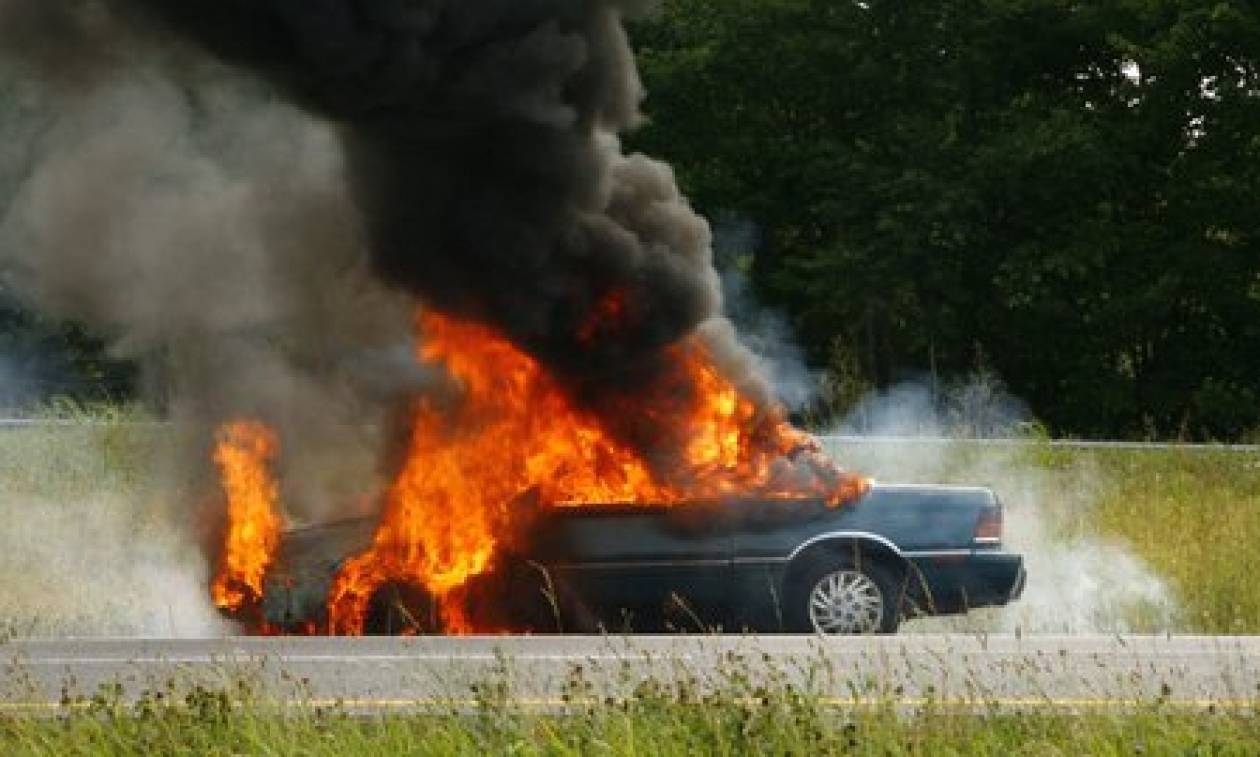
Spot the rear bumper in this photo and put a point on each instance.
(956, 582)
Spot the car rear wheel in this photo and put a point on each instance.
(839, 596)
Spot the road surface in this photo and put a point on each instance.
(391, 674)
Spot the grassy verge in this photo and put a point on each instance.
(1191, 517)
(775, 722)
(99, 531)
(1195, 518)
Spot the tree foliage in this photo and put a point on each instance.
(1064, 193)
(40, 359)
(1067, 193)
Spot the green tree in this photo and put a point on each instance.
(40, 360)
(1064, 191)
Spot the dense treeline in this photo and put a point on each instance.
(40, 359)
(1064, 193)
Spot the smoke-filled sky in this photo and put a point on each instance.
(274, 180)
(482, 151)
(183, 210)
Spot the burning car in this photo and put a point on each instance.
(482, 483)
(772, 565)
(571, 348)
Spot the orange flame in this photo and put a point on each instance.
(514, 436)
(244, 454)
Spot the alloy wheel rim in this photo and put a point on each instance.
(846, 602)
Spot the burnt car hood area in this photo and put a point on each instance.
(774, 566)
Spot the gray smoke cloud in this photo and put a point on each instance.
(281, 174)
(765, 331)
(206, 227)
(481, 144)
(251, 196)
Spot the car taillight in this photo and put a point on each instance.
(989, 526)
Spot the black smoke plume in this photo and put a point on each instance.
(481, 142)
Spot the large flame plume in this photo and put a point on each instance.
(244, 454)
(515, 440)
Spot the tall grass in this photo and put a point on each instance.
(98, 529)
(1190, 516)
(658, 721)
(109, 475)
(1195, 518)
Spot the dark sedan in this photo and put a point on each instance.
(771, 566)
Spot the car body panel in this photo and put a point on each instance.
(700, 566)
(615, 558)
(911, 518)
(955, 583)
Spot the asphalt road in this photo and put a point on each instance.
(388, 674)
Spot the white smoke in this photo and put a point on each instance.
(206, 231)
(88, 546)
(1079, 581)
(95, 567)
(765, 331)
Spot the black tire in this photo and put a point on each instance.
(398, 608)
(860, 575)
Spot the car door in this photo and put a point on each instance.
(639, 568)
(763, 534)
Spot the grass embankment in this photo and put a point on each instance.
(80, 497)
(1194, 516)
(96, 531)
(1191, 515)
(656, 723)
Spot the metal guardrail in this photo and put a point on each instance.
(837, 439)
(1053, 443)
(17, 423)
